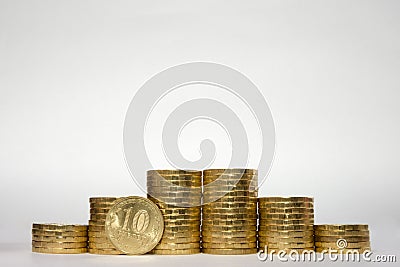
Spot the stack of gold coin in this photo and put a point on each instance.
(98, 240)
(338, 238)
(59, 238)
(286, 223)
(229, 225)
(177, 193)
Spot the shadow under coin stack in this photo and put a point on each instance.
(286, 223)
(59, 238)
(98, 240)
(342, 238)
(229, 225)
(178, 195)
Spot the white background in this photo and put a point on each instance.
(330, 71)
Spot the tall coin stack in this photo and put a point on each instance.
(342, 237)
(59, 238)
(286, 223)
(178, 195)
(98, 240)
(229, 225)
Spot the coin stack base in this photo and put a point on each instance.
(59, 238)
(229, 225)
(342, 238)
(286, 224)
(98, 240)
(177, 193)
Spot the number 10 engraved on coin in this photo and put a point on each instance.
(134, 225)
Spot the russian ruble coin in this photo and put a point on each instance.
(267, 239)
(175, 251)
(280, 245)
(42, 244)
(59, 250)
(285, 199)
(229, 251)
(131, 219)
(178, 245)
(229, 239)
(288, 222)
(265, 227)
(341, 233)
(228, 228)
(229, 245)
(59, 227)
(178, 240)
(105, 251)
(102, 199)
(59, 238)
(341, 227)
(58, 233)
(348, 245)
(285, 233)
(101, 245)
(227, 205)
(229, 234)
(287, 216)
(335, 239)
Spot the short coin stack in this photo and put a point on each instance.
(178, 195)
(59, 238)
(98, 240)
(341, 238)
(229, 225)
(286, 223)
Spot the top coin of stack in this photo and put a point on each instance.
(98, 241)
(59, 238)
(286, 223)
(341, 237)
(229, 224)
(177, 193)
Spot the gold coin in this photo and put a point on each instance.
(229, 251)
(103, 239)
(59, 239)
(287, 216)
(227, 216)
(175, 251)
(229, 234)
(264, 227)
(235, 170)
(97, 223)
(348, 238)
(59, 250)
(177, 183)
(58, 233)
(132, 219)
(341, 233)
(180, 194)
(226, 185)
(94, 228)
(187, 234)
(285, 205)
(229, 245)
(41, 244)
(102, 199)
(188, 218)
(98, 217)
(343, 251)
(181, 223)
(287, 211)
(250, 200)
(334, 245)
(288, 222)
(251, 210)
(218, 228)
(59, 227)
(99, 211)
(221, 205)
(285, 199)
(230, 222)
(174, 189)
(339, 227)
(175, 172)
(105, 251)
(285, 233)
(286, 250)
(178, 240)
(229, 239)
(278, 245)
(182, 211)
(178, 228)
(101, 245)
(178, 245)
(216, 195)
(268, 239)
